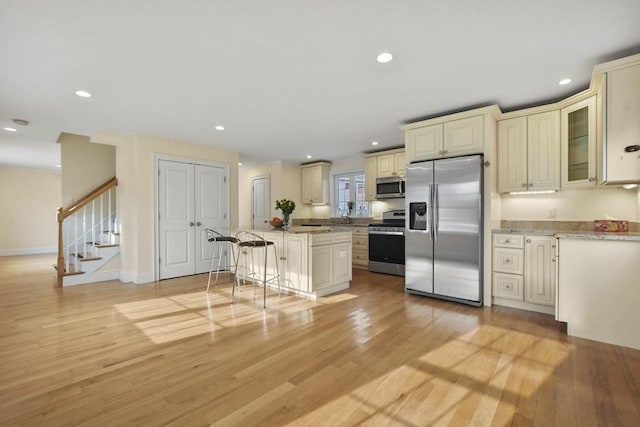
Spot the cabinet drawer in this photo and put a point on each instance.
(507, 260)
(508, 240)
(360, 257)
(360, 230)
(343, 237)
(508, 286)
(360, 242)
(321, 239)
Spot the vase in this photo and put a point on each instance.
(285, 220)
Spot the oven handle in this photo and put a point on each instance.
(388, 233)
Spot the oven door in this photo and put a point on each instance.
(386, 246)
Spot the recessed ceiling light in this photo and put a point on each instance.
(8, 129)
(83, 94)
(564, 82)
(308, 156)
(374, 143)
(384, 57)
(219, 127)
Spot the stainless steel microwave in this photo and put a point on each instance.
(390, 188)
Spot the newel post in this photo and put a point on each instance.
(60, 267)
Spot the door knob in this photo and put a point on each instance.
(191, 224)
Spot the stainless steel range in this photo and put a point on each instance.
(386, 244)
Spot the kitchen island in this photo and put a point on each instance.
(311, 261)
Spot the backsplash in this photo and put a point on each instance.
(557, 225)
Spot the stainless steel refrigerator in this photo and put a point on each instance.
(443, 229)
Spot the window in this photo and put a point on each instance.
(349, 187)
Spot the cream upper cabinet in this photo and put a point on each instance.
(424, 143)
(315, 183)
(529, 153)
(448, 139)
(464, 136)
(620, 139)
(370, 175)
(390, 165)
(578, 144)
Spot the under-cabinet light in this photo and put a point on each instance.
(629, 186)
(533, 192)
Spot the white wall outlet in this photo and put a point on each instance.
(552, 213)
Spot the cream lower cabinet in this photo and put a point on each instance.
(360, 247)
(524, 272)
(308, 264)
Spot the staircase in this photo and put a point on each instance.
(88, 237)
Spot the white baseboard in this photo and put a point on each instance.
(136, 278)
(99, 276)
(28, 251)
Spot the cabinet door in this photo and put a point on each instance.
(321, 260)
(543, 150)
(578, 144)
(370, 174)
(341, 262)
(512, 155)
(295, 270)
(464, 136)
(622, 124)
(399, 164)
(308, 178)
(540, 270)
(386, 165)
(424, 143)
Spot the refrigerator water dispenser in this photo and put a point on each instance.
(418, 216)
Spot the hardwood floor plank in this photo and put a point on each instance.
(167, 353)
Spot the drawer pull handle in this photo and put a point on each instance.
(509, 286)
(507, 261)
(528, 240)
(508, 241)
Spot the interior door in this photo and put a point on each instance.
(175, 223)
(190, 198)
(210, 212)
(261, 203)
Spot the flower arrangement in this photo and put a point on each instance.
(287, 207)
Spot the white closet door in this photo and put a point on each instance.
(210, 208)
(175, 199)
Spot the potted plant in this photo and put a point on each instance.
(287, 207)
(350, 206)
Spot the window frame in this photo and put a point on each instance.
(335, 193)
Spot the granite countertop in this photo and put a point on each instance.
(575, 234)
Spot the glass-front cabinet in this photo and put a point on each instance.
(578, 142)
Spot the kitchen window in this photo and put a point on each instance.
(349, 187)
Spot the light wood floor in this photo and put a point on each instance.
(168, 354)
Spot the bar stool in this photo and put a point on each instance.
(219, 240)
(248, 242)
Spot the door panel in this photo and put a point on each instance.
(418, 233)
(457, 241)
(261, 201)
(210, 207)
(175, 201)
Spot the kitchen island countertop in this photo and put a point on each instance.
(575, 234)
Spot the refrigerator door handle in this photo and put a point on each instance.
(435, 207)
(430, 217)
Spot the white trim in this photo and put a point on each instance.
(82, 279)
(139, 278)
(28, 251)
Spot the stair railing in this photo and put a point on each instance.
(84, 224)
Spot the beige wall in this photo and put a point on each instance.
(85, 166)
(576, 205)
(135, 169)
(30, 199)
(284, 183)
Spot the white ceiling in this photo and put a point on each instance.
(287, 78)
